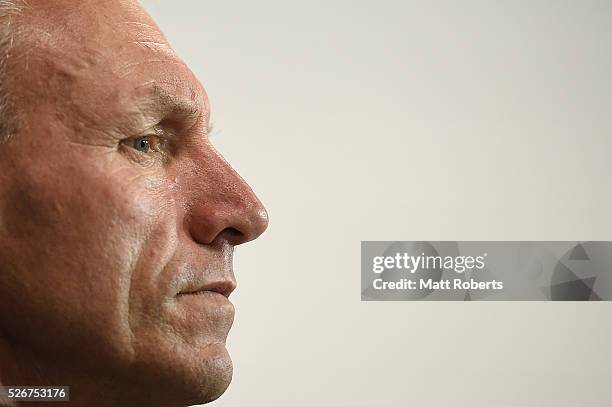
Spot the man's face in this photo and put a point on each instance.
(117, 216)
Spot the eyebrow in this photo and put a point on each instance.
(174, 105)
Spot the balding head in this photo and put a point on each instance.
(118, 218)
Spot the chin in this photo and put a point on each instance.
(183, 375)
(217, 374)
(207, 375)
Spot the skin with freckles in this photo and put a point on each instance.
(118, 218)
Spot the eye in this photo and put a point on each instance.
(152, 147)
(142, 144)
(147, 144)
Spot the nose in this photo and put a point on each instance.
(223, 205)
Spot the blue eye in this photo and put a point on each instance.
(142, 144)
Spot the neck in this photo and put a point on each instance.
(19, 367)
(14, 367)
(120, 388)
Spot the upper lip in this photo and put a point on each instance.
(223, 287)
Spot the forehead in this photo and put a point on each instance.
(98, 52)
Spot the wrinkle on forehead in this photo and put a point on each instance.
(98, 60)
(157, 47)
(90, 23)
(148, 36)
(109, 36)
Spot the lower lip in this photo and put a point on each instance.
(210, 297)
(205, 313)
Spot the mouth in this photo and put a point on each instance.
(225, 288)
(203, 310)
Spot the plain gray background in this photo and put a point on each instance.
(414, 120)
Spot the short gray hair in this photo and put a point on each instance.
(9, 9)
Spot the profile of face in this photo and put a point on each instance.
(118, 218)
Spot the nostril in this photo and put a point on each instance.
(232, 232)
(232, 235)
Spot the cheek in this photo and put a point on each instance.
(70, 239)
